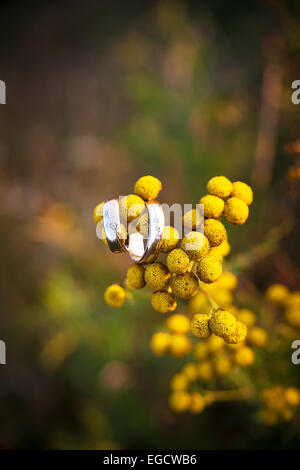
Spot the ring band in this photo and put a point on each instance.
(134, 243)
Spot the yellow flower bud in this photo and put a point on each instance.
(277, 294)
(257, 337)
(160, 343)
(136, 276)
(147, 187)
(247, 317)
(214, 231)
(244, 356)
(215, 344)
(178, 323)
(223, 366)
(115, 295)
(227, 280)
(190, 371)
(223, 324)
(292, 316)
(180, 345)
(199, 303)
(180, 401)
(236, 211)
(220, 251)
(239, 334)
(213, 206)
(206, 371)
(163, 301)
(178, 261)
(292, 396)
(219, 186)
(197, 404)
(184, 285)
(179, 382)
(195, 244)
(201, 350)
(242, 191)
(131, 207)
(209, 269)
(169, 239)
(157, 276)
(199, 325)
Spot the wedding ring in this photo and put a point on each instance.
(112, 226)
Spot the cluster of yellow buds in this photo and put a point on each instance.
(175, 339)
(278, 404)
(287, 302)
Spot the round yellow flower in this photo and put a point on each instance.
(247, 317)
(199, 303)
(115, 295)
(223, 366)
(209, 269)
(179, 382)
(293, 299)
(131, 207)
(242, 191)
(220, 251)
(214, 231)
(277, 294)
(244, 356)
(257, 337)
(195, 244)
(199, 325)
(178, 261)
(238, 335)
(213, 206)
(227, 280)
(169, 239)
(223, 324)
(201, 350)
(215, 344)
(184, 285)
(160, 343)
(136, 276)
(98, 212)
(190, 371)
(147, 187)
(292, 396)
(292, 316)
(197, 404)
(178, 323)
(206, 371)
(179, 401)
(191, 220)
(157, 276)
(219, 186)
(163, 302)
(180, 345)
(236, 211)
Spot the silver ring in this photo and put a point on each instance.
(134, 243)
(112, 226)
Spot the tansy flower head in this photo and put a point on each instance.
(206, 371)
(215, 344)
(180, 401)
(242, 191)
(178, 261)
(257, 337)
(236, 211)
(209, 269)
(201, 350)
(163, 302)
(136, 276)
(223, 324)
(219, 186)
(214, 231)
(179, 382)
(184, 285)
(197, 403)
(227, 280)
(115, 295)
(223, 366)
(98, 212)
(247, 317)
(160, 342)
(200, 326)
(147, 187)
(239, 335)
(244, 356)
(169, 239)
(178, 323)
(191, 220)
(292, 316)
(293, 299)
(131, 207)
(157, 276)
(292, 396)
(180, 345)
(277, 294)
(213, 206)
(195, 244)
(199, 303)
(220, 251)
(190, 371)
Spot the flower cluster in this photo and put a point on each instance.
(278, 404)
(287, 303)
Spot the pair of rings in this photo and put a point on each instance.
(139, 249)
